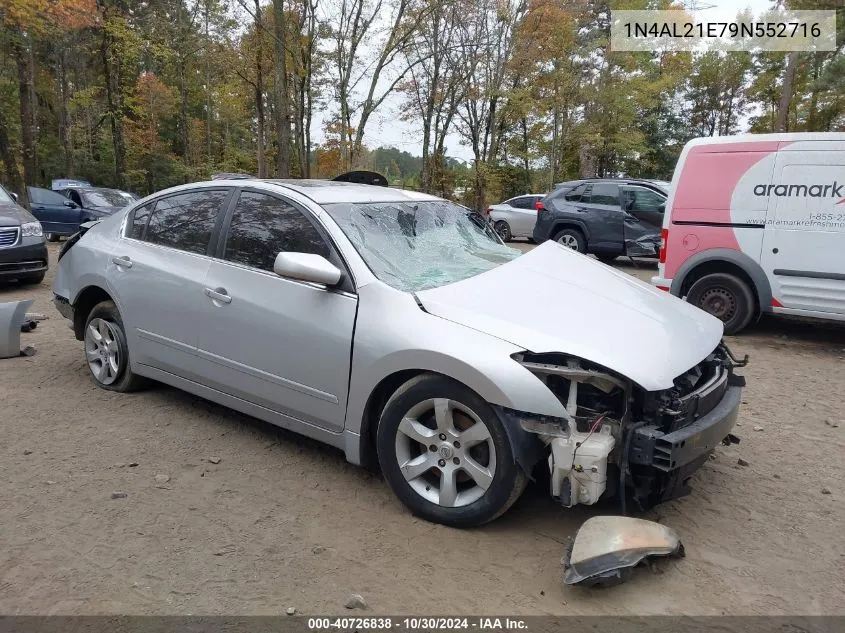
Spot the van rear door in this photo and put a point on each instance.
(803, 250)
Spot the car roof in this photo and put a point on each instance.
(653, 184)
(322, 191)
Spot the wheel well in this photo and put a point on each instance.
(719, 266)
(87, 299)
(372, 412)
(560, 226)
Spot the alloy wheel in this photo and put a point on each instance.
(569, 241)
(445, 452)
(102, 350)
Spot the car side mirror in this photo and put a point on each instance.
(14, 196)
(307, 267)
(662, 208)
(70, 203)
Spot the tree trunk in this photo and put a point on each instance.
(26, 112)
(207, 88)
(525, 164)
(64, 115)
(587, 160)
(183, 96)
(814, 97)
(309, 73)
(282, 104)
(259, 93)
(114, 99)
(13, 176)
(782, 124)
(425, 176)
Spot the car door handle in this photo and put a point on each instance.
(218, 294)
(123, 262)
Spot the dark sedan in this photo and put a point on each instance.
(98, 201)
(23, 252)
(58, 215)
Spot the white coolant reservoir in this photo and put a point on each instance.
(578, 465)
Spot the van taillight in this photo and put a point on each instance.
(538, 205)
(664, 241)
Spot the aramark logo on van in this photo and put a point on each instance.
(801, 191)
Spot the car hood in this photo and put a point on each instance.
(553, 299)
(13, 215)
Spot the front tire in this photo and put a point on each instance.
(504, 230)
(51, 237)
(446, 454)
(726, 297)
(572, 239)
(106, 351)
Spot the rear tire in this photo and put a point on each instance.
(470, 477)
(504, 230)
(607, 259)
(572, 239)
(106, 351)
(726, 297)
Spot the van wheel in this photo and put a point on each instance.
(572, 238)
(726, 297)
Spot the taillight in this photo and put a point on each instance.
(488, 210)
(664, 242)
(539, 205)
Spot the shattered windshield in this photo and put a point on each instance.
(414, 246)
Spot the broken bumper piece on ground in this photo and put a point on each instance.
(606, 549)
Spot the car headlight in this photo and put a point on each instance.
(31, 229)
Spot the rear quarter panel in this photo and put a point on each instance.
(85, 263)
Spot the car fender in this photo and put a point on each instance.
(383, 347)
(762, 287)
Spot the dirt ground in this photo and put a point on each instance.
(282, 521)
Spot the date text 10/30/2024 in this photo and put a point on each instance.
(418, 624)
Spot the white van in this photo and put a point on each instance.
(756, 223)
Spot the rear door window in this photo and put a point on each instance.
(184, 221)
(605, 194)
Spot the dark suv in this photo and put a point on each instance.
(607, 217)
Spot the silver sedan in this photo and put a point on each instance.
(372, 319)
(515, 217)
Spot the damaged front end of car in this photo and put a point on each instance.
(620, 440)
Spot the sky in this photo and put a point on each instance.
(386, 129)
